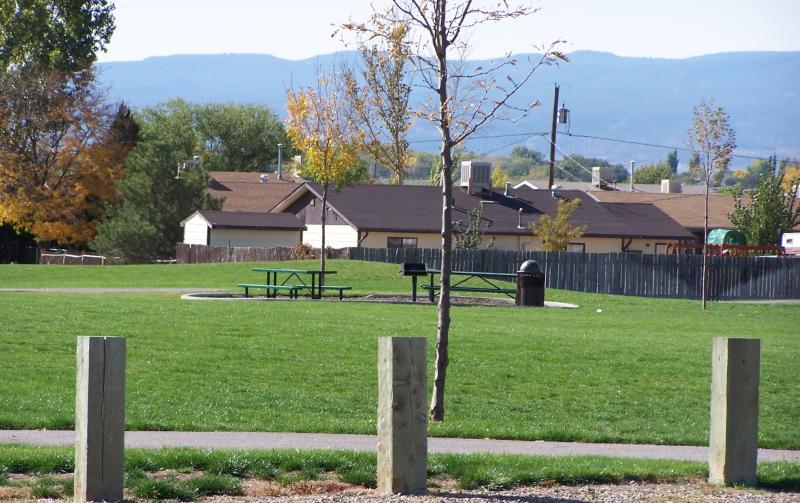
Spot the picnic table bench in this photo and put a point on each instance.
(271, 288)
(485, 277)
(273, 285)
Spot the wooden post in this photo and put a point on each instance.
(733, 445)
(402, 415)
(100, 419)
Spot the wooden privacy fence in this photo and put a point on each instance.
(675, 276)
(202, 254)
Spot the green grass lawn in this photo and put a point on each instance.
(364, 277)
(639, 371)
(224, 469)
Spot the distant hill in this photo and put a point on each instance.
(639, 99)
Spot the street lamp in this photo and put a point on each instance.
(194, 161)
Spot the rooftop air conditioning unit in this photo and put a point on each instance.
(602, 177)
(671, 187)
(476, 176)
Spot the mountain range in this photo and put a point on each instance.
(637, 100)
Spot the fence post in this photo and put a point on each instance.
(733, 443)
(100, 419)
(402, 415)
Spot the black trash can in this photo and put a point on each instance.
(530, 284)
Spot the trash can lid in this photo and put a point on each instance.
(530, 266)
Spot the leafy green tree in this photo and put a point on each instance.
(518, 166)
(769, 212)
(63, 35)
(556, 233)
(577, 167)
(524, 152)
(652, 174)
(238, 137)
(145, 224)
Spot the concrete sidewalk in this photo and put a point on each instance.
(304, 441)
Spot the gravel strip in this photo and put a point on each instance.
(634, 492)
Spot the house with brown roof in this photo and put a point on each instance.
(394, 216)
(241, 228)
(251, 191)
(686, 209)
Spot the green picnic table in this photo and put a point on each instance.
(274, 284)
(464, 276)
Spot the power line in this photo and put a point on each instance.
(645, 144)
(485, 137)
(576, 162)
(586, 136)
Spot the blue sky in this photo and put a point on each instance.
(302, 28)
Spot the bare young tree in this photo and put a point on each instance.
(382, 100)
(712, 140)
(462, 100)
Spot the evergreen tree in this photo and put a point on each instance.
(145, 224)
(672, 161)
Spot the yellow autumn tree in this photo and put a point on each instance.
(556, 233)
(323, 127)
(791, 177)
(499, 177)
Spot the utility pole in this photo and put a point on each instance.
(553, 140)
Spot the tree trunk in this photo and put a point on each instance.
(323, 218)
(442, 336)
(704, 279)
(440, 366)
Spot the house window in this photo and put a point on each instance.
(395, 242)
(576, 247)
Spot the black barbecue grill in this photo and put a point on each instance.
(413, 269)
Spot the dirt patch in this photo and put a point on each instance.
(14, 493)
(254, 488)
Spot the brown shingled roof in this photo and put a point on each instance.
(409, 208)
(250, 220)
(243, 191)
(686, 209)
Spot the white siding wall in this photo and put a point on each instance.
(259, 238)
(523, 243)
(380, 239)
(336, 236)
(195, 231)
